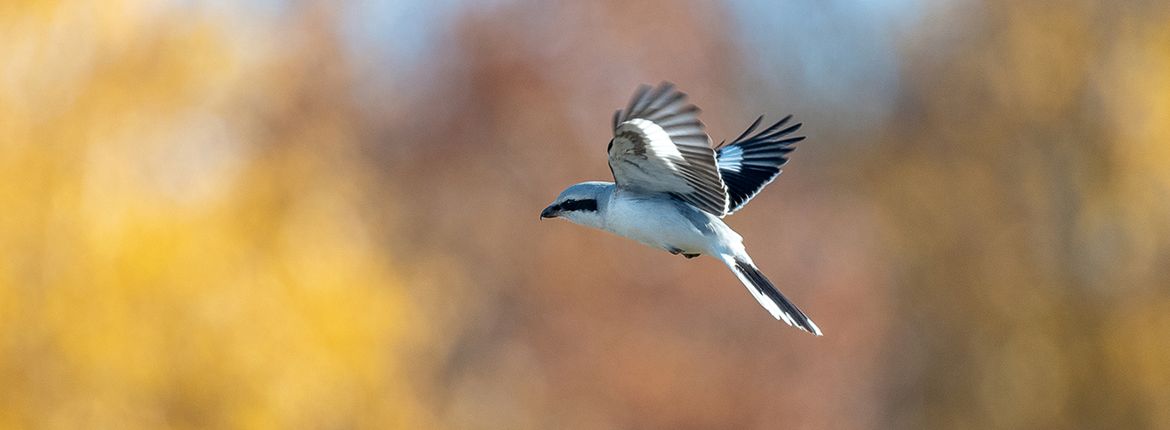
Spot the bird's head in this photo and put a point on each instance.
(580, 204)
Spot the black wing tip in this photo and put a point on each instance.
(792, 128)
(769, 134)
(749, 130)
(773, 131)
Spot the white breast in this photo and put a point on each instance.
(657, 221)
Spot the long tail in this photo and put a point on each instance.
(768, 295)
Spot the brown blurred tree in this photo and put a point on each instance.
(1027, 201)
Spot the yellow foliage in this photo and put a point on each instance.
(161, 268)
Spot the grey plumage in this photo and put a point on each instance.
(659, 145)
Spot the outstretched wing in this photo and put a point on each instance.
(659, 145)
(749, 163)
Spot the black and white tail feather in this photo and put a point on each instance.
(768, 295)
(749, 163)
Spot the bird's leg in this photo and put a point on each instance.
(690, 256)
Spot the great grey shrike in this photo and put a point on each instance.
(672, 188)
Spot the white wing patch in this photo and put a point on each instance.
(659, 142)
(730, 159)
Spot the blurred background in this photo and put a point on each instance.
(283, 214)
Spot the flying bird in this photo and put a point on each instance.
(671, 189)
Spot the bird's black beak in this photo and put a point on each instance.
(548, 212)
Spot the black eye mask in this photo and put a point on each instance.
(578, 205)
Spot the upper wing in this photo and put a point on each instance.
(750, 163)
(659, 146)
